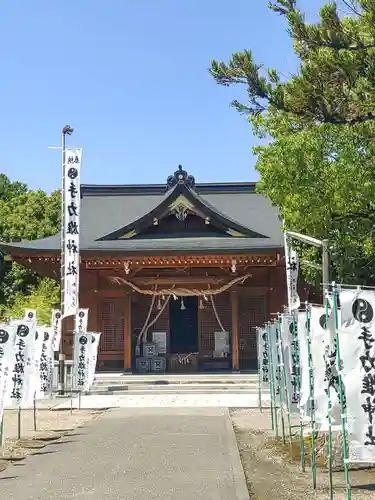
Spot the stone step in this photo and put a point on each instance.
(169, 381)
(157, 392)
(177, 387)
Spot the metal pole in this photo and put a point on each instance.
(61, 384)
(325, 265)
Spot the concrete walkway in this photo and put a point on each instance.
(136, 454)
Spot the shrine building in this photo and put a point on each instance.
(191, 267)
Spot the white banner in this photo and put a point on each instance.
(71, 262)
(56, 322)
(357, 336)
(46, 362)
(294, 365)
(81, 320)
(304, 360)
(31, 383)
(7, 345)
(292, 270)
(30, 314)
(286, 342)
(82, 344)
(273, 356)
(93, 356)
(323, 360)
(263, 355)
(23, 358)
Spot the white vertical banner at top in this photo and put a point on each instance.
(82, 343)
(72, 207)
(30, 314)
(357, 348)
(263, 355)
(81, 320)
(7, 347)
(93, 356)
(56, 321)
(292, 270)
(23, 358)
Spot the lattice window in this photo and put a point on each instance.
(112, 325)
(252, 313)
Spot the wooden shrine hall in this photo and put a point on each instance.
(176, 276)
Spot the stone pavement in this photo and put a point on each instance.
(136, 454)
(219, 400)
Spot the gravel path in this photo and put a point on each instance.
(271, 475)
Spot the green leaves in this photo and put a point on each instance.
(25, 215)
(319, 166)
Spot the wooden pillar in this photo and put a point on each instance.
(127, 333)
(235, 351)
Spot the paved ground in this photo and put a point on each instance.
(159, 453)
(221, 400)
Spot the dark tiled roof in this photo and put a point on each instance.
(106, 209)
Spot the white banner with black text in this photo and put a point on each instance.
(71, 231)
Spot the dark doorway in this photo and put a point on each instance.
(183, 325)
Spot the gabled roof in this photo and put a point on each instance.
(248, 220)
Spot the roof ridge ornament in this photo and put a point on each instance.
(181, 177)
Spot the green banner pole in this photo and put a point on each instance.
(278, 377)
(329, 405)
(285, 382)
(311, 398)
(272, 381)
(341, 395)
(259, 371)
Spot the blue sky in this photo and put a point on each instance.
(131, 77)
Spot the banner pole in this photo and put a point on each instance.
(329, 405)
(297, 366)
(311, 399)
(286, 388)
(2, 437)
(341, 395)
(34, 412)
(272, 383)
(19, 422)
(278, 376)
(259, 374)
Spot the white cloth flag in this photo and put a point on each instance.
(274, 361)
(93, 356)
(30, 314)
(304, 362)
(81, 320)
(321, 351)
(31, 383)
(46, 362)
(263, 353)
(81, 360)
(7, 346)
(286, 327)
(71, 229)
(56, 322)
(292, 270)
(357, 337)
(23, 358)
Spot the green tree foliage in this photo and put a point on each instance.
(25, 215)
(318, 166)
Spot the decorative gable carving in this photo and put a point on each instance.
(180, 177)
